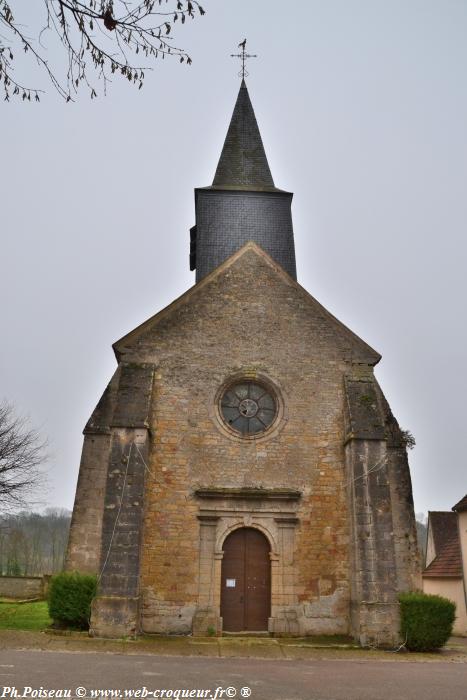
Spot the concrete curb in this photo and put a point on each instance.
(224, 647)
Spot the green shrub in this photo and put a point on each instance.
(69, 599)
(426, 620)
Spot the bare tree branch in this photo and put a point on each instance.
(22, 453)
(100, 39)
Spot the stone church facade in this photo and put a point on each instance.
(243, 470)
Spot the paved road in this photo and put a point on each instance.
(317, 679)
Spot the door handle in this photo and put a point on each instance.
(241, 599)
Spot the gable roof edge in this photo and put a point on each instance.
(119, 345)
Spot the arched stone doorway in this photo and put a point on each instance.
(246, 581)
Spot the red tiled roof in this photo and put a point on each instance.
(448, 559)
(462, 505)
(443, 527)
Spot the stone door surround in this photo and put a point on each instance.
(223, 510)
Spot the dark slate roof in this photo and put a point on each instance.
(448, 559)
(243, 163)
(461, 506)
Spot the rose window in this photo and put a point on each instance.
(248, 408)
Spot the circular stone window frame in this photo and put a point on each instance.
(271, 386)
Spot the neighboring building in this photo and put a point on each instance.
(445, 570)
(243, 470)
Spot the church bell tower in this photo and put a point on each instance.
(242, 204)
(243, 471)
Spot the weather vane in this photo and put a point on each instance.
(243, 56)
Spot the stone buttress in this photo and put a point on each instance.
(106, 528)
(384, 554)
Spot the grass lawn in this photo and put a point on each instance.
(24, 616)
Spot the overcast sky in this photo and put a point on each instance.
(362, 106)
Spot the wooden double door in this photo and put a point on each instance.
(246, 581)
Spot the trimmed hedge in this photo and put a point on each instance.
(69, 598)
(426, 620)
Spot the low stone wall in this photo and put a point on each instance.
(23, 587)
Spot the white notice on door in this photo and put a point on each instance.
(230, 582)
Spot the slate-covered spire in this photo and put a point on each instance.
(243, 161)
(242, 204)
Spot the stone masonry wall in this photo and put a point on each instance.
(248, 321)
(23, 587)
(328, 485)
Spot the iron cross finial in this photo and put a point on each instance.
(243, 57)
